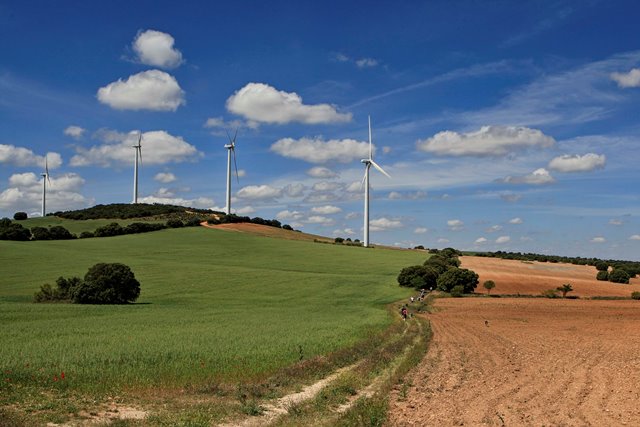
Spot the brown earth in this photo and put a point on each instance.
(534, 362)
(532, 277)
(267, 231)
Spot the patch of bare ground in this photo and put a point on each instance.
(105, 416)
(531, 278)
(266, 231)
(533, 362)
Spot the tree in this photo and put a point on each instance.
(19, 216)
(438, 263)
(602, 275)
(418, 276)
(454, 276)
(602, 266)
(488, 285)
(619, 275)
(107, 284)
(566, 288)
(338, 240)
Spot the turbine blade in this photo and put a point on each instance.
(234, 137)
(236, 165)
(229, 136)
(140, 153)
(46, 169)
(364, 178)
(377, 166)
(370, 145)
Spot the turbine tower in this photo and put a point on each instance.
(135, 167)
(45, 178)
(231, 147)
(367, 165)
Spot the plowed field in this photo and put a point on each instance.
(531, 278)
(526, 362)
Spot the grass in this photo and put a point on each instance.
(77, 227)
(216, 307)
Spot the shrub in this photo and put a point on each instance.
(143, 227)
(418, 276)
(63, 292)
(213, 221)
(619, 275)
(175, 223)
(438, 263)
(107, 284)
(457, 291)
(635, 295)
(287, 227)
(602, 265)
(40, 233)
(86, 235)
(488, 285)
(12, 231)
(19, 216)
(602, 275)
(193, 222)
(454, 276)
(113, 229)
(566, 288)
(58, 232)
(550, 293)
(338, 240)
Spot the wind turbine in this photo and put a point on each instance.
(365, 181)
(45, 178)
(135, 167)
(231, 147)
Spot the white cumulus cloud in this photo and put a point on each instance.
(155, 48)
(326, 186)
(635, 237)
(75, 132)
(494, 228)
(319, 219)
(515, 221)
(259, 192)
(158, 147)
(288, 215)
(20, 156)
(382, 224)
(455, 224)
(598, 239)
(420, 230)
(538, 177)
(165, 177)
(487, 141)
(25, 193)
(481, 240)
(326, 210)
(149, 90)
(321, 172)
(630, 79)
(316, 150)
(503, 239)
(577, 163)
(366, 62)
(262, 103)
(200, 202)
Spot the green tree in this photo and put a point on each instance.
(107, 284)
(619, 275)
(418, 276)
(566, 288)
(454, 276)
(602, 275)
(488, 285)
(602, 265)
(19, 216)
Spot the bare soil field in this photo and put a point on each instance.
(267, 231)
(533, 362)
(532, 277)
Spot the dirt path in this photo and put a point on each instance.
(538, 362)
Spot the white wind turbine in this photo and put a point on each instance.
(45, 178)
(365, 181)
(231, 147)
(135, 167)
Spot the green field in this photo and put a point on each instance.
(214, 306)
(77, 227)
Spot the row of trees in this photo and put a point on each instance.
(235, 219)
(129, 210)
(441, 271)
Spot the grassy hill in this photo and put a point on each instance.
(214, 306)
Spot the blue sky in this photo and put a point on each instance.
(504, 125)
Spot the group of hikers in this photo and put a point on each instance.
(404, 311)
